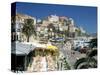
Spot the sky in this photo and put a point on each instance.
(83, 16)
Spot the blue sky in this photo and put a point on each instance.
(83, 16)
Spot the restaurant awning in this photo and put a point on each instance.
(23, 48)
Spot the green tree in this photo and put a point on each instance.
(63, 64)
(78, 31)
(28, 28)
(66, 33)
(66, 65)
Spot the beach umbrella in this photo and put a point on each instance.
(51, 47)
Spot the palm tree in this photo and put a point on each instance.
(28, 28)
(78, 31)
(87, 62)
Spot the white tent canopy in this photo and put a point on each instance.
(25, 47)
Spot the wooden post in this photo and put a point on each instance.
(25, 63)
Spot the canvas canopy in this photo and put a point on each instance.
(25, 47)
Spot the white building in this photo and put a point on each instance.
(71, 25)
(53, 18)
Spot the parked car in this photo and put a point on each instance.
(83, 50)
(78, 48)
